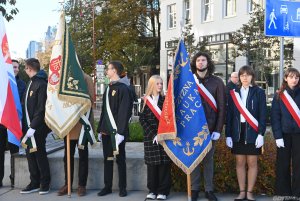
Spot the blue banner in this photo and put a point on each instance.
(192, 141)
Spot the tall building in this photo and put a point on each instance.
(49, 36)
(33, 48)
(212, 21)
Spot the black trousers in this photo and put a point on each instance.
(109, 163)
(287, 183)
(83, 162)
(12, 148)
(38, 162)
(159, 178)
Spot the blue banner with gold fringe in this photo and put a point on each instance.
(183, 130)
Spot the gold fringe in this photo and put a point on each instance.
(66, 129)
(184, 168)
(24, 145)
(166, 136)
(32, 150)
(80, 146)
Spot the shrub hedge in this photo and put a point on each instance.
(225, 179)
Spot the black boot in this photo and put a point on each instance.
(195, 195)
(211, 196)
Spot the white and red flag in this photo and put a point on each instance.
(10, 106)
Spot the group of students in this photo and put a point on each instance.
(245, 109)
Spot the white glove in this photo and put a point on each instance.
(280, 143)
(229, 142)
(30, 132)
(259, 141)
(155, 140)
(215, 136)
(119, 138)
(100, 137)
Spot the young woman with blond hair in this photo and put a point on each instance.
(157, 161)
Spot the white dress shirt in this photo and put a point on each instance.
(244, 95)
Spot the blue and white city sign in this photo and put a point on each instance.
(282, 18)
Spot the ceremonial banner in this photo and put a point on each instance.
(183, 130)
(67, 92)
(10, 106)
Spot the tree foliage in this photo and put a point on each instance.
(259, 49)
(8, 8)
(124, 30)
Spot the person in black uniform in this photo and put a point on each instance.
(3, 131)
(34, 106)
(157, 161)
(244, 134)
(120, 105)
(286, 131)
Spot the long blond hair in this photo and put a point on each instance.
(151, 87)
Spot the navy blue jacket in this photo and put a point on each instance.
(256, 104)
(281, 119)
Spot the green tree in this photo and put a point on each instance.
(8, 8)
(128, 31)
(259, 49)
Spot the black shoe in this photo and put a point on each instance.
(104, 192)
(1, 184)
(123, 192)
(44, 189)
(241, 199)
(12, 181)
(210, 196)
(30, 189)
(195, 195)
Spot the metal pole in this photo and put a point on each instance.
(226, 63)
(281, 59)
(94, 54)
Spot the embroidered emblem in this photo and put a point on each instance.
(113, 92)
(31, 92)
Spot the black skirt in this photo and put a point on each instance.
(242, 148)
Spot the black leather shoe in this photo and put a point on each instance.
(123, 193)
(195, 195)
(210, 196)
(104, 192)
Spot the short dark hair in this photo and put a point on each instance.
(14, 60)
(249, 71)
(210, 63)
(34, 64)
(118, 66)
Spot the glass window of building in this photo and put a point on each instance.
(172, 16)
(230, 8)
(208, 6)
(187, 12)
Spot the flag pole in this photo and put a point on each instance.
(68, 165)
(189, 191)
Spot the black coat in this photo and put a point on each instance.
(256, 105)
(154, 154)
(36, 101)
(120, 102)
(281, 119)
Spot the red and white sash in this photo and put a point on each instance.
(153, 107)
(243, 110)
(291, 106)
(206, 95)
